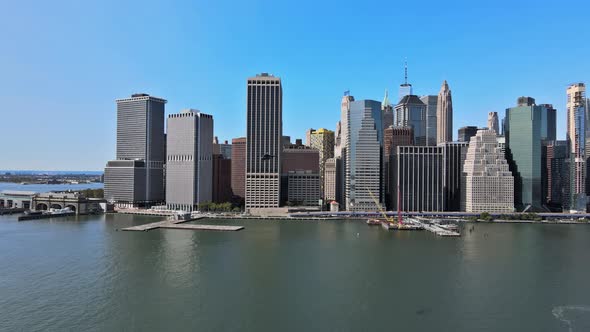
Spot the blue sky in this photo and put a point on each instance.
(63, 63)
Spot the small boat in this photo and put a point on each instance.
(373, 222)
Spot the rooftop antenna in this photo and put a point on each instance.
(406, 71)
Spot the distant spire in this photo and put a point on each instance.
(385, 102)
(406, 72)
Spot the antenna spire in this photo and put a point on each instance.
(406, 72)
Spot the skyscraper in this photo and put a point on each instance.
(330, 175)
(444, 115)
(392, 138)
(308, 136)
(418, 174)
(238, 167)
(576, 137)
(221, 177)
(523, 151)
(223, 149)
(488, 185)
(363, 156)
(454, 159)
(387, 110)
(300, 173)
(465, 133)
(411, 112)
(136, 177)
(548, 122)
(556, 175)
(189, 168)
(493, 123)
(264, 141)
(341, 142)
(431, 103)
(323, 141)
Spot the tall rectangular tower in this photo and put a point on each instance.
(323, 141)
(576, 137)
(263, 143)
(238, 167)
(523, 151)
(136, 177)
(430, 117)
(444, 114)
(363, 166)
(189, 169)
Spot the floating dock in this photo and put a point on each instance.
(204, 227)
(176, 224)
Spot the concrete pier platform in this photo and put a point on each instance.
(176, 224)
(204, 227)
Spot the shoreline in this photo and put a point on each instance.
(279, 218)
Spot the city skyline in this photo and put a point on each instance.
(194, 69)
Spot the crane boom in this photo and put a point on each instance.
(381, 210)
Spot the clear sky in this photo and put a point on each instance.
(63, 63)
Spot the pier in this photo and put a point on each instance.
(177, 224)
(436, 229)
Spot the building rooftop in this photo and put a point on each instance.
(141, 96)
(411, 99)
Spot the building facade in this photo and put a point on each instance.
(576, 137)
(303, 188)
(264, 141)
(411, 112)
(392, 138)
(223, 149)
(523, 151)
(444, 114)
(488, 185)
(238, 167)
(330, 176)
(363, 164)
(431, 125)
(454, 159)
(465, 133)
(418, 174)
(493, 122)
(140, 137)
(189, 165)
(556, 174)
(300, 171)
(323, 141)
(221, 191)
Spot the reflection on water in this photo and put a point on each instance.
(575, 317)
(81, 273)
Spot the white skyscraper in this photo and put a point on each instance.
(493, 122)
(488, 184)
(189, 168)
(576, 137)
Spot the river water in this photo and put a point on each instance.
(42, 188)
(82, 274)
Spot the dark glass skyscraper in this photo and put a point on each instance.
(264, 141)
(136, 177)
(527, 125)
